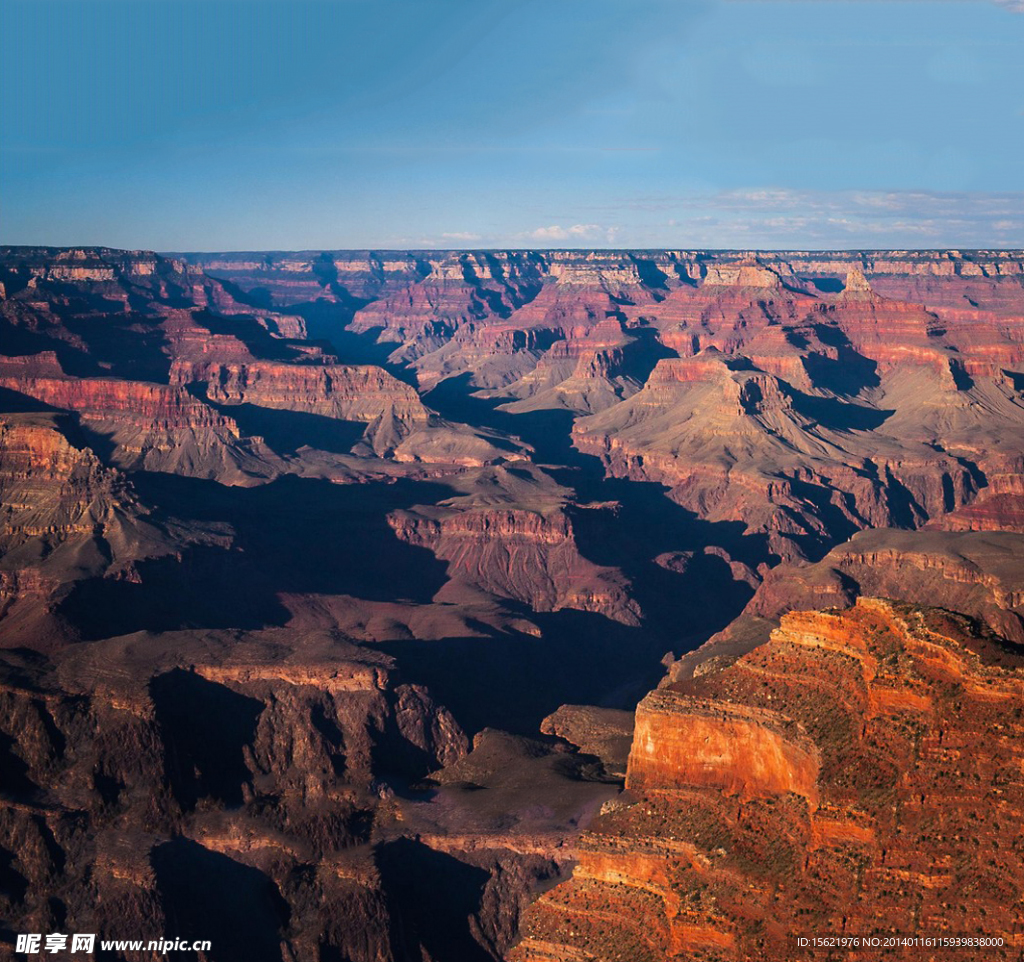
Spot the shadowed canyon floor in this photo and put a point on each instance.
(330, 583)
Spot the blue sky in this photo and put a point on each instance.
(241, 125)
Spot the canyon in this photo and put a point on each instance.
(540, 606)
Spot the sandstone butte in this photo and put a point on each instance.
(330, 582)
(858, 775)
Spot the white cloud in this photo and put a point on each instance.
(784, 218)
(769, 217)
(577, 232)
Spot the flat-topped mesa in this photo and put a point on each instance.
(86, 264)
(708, 365)
(399, 425)
(825, 781)
(102, 280)
(628, 278)
(906, 332)
(158, 406)
(749, 273)
(289, 278)
(739, 310)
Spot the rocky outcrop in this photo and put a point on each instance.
(604, 732)
(201, 788)
(685, 742)
(50, 488)
(999, 507)
(287, 278)
(741, 445)
(517, 554)
(67, 517)
(977, 574)
(829, 781)
(349, 392)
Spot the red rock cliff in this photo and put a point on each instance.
(861, 815)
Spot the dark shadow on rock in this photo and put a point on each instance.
(12, 882)
(308, 535)
(287, 431)
(205, 728)
(204, 587)
(812, 544)
(651, 276)
(430, 896)
(14, 402)
(302, 536)
(640, 355)
(250, 332)
(513, 681)
(838, 415)
(294, 535)
(130, 345)
(18, 341)
(962, 380)
(208, 896)
(644, 523)
(849, 372)
(328, 321)
(14, 772)
(257, 297)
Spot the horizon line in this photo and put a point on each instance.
(515, 250)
